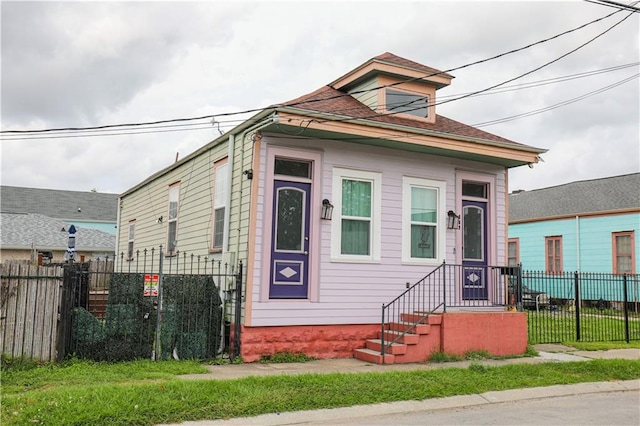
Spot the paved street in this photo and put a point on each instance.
(617, 408)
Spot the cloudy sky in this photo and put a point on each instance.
(80, 64)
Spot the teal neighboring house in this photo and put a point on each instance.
(92, 210)
(586, 226)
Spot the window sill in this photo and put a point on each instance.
(354, 260)
(425, 262)
(215, 250)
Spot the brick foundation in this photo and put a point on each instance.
(318, 341)
(499, 333)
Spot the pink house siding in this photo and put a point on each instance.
(353, 293)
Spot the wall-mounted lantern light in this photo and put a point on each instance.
(249, 173)
(159, 220)
(453, 220)
(327, 210)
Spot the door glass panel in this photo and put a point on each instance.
(473, 242)
(292, 168)
(290, 219)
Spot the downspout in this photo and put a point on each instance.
(578, 243)
(227, 211)
(269, 120)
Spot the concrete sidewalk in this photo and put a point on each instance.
(547, 353)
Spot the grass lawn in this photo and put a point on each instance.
(558, 327)
(602, 346)
(147, 393)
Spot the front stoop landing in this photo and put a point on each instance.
(416, 345)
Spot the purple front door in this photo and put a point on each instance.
(290, 241)
(474, 250)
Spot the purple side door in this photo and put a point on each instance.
(474, 250)
(289, 277)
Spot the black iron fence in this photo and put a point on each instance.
(149, 306)
(579, 306)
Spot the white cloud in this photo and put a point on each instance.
(79, 64)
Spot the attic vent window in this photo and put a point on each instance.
(407, 103)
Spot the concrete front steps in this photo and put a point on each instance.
(414, 346)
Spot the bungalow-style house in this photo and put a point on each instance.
(83, 209)
(586, 226)
(37, 238)
(336, 202)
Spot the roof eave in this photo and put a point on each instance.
(248, 123)
(425, 132)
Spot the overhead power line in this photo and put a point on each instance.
(228, 124)
(382, 133)
(495, 85)
(248, 111)
(387, 134)
(559, 104)
(621, 6)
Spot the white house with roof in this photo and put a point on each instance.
(335, 202)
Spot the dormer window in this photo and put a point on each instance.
(413, 104)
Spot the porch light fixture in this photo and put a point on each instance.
(327, 210)
(159, 220)
(453, 220)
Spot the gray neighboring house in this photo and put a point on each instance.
(32, 220)
(26, 236)
(93, 210)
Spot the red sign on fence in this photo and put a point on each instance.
(151, 285)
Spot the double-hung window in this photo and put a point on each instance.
(132, 229)
(220, 192)
(356, 217)
(172, 222)
(423, 230)
(623, 253)
(553, 254)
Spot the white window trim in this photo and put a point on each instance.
(440, 187)
(376, 212)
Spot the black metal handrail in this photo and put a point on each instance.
(416, 301)
(448, 285)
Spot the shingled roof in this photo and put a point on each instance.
(332, 101)
(24, 230)
(589, 196)
(60, 204)
(397, 60)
